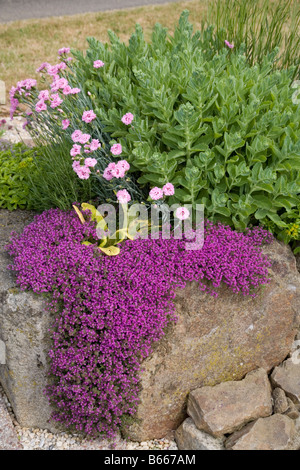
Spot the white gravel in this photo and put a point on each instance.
(40, 439)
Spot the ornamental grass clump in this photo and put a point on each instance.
(261, 26)
(110, 310)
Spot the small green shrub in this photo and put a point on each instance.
(225, 133)
(16, 162)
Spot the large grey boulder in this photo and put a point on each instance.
(24, 325)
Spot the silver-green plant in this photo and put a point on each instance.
(224, 132)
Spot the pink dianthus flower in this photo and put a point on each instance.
(90, 162)
(182, 213)
(168, 189)
(123, 196)
(116, 149)
(98, 63)
(83, 172)
(67, 90)
(108, 171)
(55, 100)
(95, 144)
(43, 66)
(156, 193)
(53, 69)
(74, 91)
(228, 44)
(40, 106)
(84, 138)
(60, 83)
(124, 165)
(76, 135)
(118, 172)
(75, 165)
(88, 116)
(64, 50)
(44, 95)
(127, 118)
(75, 150)
(62, 66)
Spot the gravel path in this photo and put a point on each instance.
(14, 437)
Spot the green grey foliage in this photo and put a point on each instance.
(224, 132)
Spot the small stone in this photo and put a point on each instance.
(42, 442)
(292, 410)
(173, 446)
(188, 437)
(276, 432)
(226, 407)
(287, 377)
(280, 401)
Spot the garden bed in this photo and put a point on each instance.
(112, 315)
(214, 339)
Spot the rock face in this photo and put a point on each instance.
(24, 325)
(287, 377)
(188, 437)
(227, 407)
(216, 340)
(278, 432)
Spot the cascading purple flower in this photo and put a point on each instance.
(110, 310)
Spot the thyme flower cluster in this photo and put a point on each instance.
(110, 310)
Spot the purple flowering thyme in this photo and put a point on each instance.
(110, 310)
